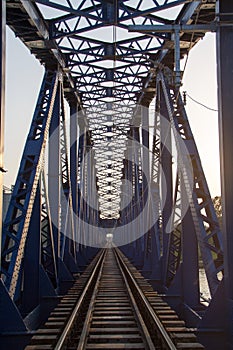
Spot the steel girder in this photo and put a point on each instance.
(95, 58)
(100, 59)
(110, 65)
(17, 220)
(204, 217)
(36, 214)
(175, 239)
(109, 124)
(48, 259)
(67, 206)
(108, 71)
(116, 68)
(153, 239)
(225, 93)
(2, 98)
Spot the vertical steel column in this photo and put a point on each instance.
(2, 101)
(126, 203)
(145, 153)
(81, 174)
(92, 198)
(136, 138)
(139, 186)
(67, 223)
(166, 181)
(136, 191)
(54, 173)
(225, 98)
(73, 154)
(146, 178)
(130, 191)
(86, 177)
(177, 57)
(89, 190)
(122, 207)
(32, 259)
(190, 266)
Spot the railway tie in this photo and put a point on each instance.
(111, 306)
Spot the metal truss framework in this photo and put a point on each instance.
(20, 209)
(106, 63)
(204, 216)
(119, 176)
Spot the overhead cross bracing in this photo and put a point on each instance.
(110, 69)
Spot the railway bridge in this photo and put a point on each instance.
(110, 217)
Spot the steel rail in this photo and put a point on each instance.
(143, 326)
(143, 302)
(115, 295)
(63, 337)
(86, 326)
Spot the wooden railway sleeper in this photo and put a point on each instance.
(181, 336)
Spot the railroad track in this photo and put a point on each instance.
(113, 307)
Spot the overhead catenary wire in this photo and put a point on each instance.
(201, 104)
(185, 65)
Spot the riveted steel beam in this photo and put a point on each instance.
(2, 99)
(170, 28)
(225, 98)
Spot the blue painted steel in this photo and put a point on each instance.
(11, 320)
(121, 68)
(204, 217)
(17, 220)
(175, 237)
(59, 194)
(69, 254)
(146, 181)
(74, 155)
(75, 41)
(80, 157)
(2, 99)
(48, 258)
(167, 179)
(54, 181)
(154, 239)
(225, 98)
(190, 258)
(31, 269)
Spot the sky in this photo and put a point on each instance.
(23, 80)
(200, 82)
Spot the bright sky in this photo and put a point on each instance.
(24, 75)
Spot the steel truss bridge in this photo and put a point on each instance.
(110, 158)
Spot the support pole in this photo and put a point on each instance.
(177, 57)
(54, 174)
(31, 284)
(2, 101)
(81, 166)
(166, 180)
(225, 98)
(145, 142)
(145, 160)
(146, 178)
(73, 153)
(190, 268)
